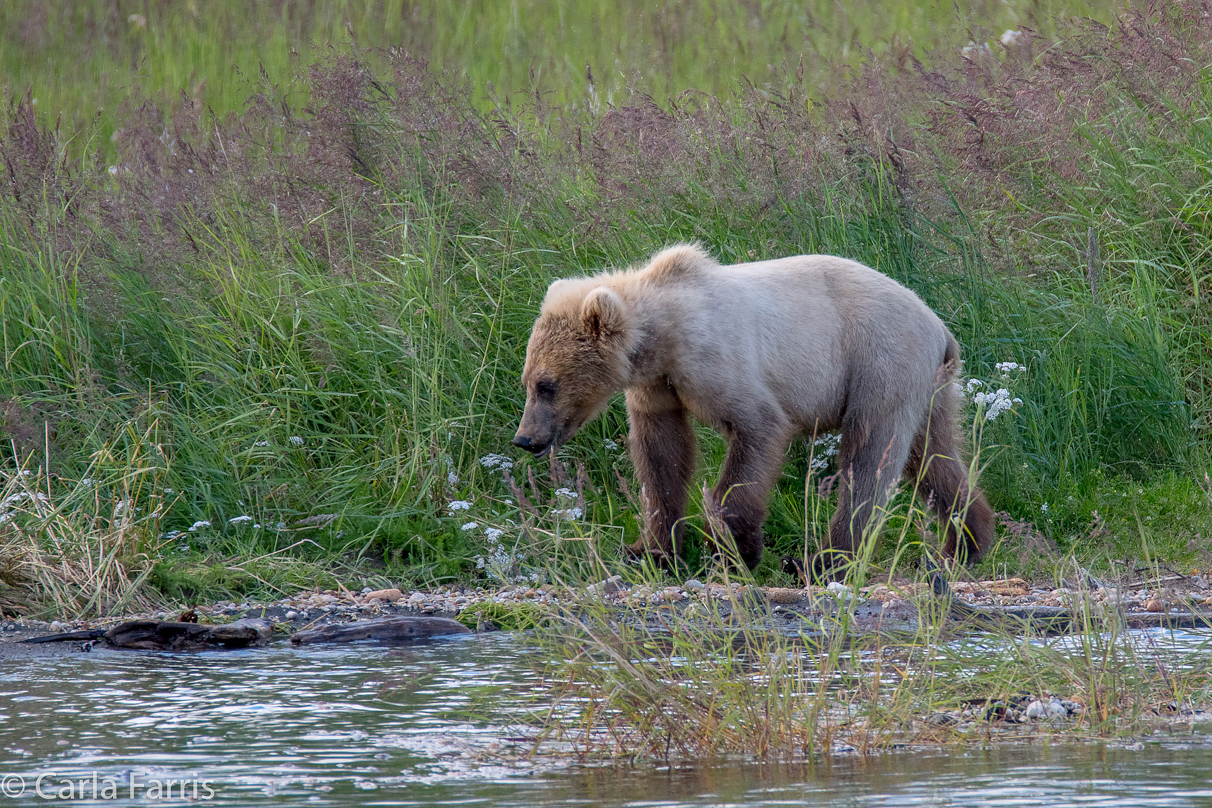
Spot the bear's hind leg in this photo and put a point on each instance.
(935, 465)
(661, 443)
(740, 498)
(870, 465)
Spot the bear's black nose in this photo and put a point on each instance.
(521, 441)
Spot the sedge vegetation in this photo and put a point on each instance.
(268, 338)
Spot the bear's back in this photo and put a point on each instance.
(799, 330)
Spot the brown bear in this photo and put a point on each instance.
(763, 352)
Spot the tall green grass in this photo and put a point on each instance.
(81, 59)
(324, 313)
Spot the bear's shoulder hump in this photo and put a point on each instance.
(677, 262)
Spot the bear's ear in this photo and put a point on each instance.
(603, 314)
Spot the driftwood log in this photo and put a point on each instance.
(385, 630)
(171, 635)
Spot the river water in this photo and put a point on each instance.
(430, 725)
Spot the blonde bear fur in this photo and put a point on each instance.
(764, 352)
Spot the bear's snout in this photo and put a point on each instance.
(536, 448)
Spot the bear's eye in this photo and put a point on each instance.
(545, 389)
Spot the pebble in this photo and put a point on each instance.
(1154, 605)
(390, 595)
(693, 585)
(1053, 708)
(292, 614)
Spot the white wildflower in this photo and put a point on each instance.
(611, 445)
(995, 403)
(87, 481)
(1044, 507)
(829, 443)
(172, 534)
(7, 502)
(973, 384)
(974, 51)
(296, 440)
(469, 526)
(1012, 37)
(493, 534)
(198, 525)
(496, 461)
(239, 520)
(261, 443)
(452, 478)
(459, 505)
(567, 513)
(113, 171)
(565, 493)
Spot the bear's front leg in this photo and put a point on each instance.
(661, 443)
(739, 499)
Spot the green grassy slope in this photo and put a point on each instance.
(304, 325)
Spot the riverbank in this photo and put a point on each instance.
(1173, 601)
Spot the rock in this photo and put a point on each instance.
(292, 614)
(612, 585)
(781, 595)
(839, 591)
(387, 629)
(693, 585)
(152, 635)
(1154, 605)
(1006, 587)
(389, 595)
(1040, 709)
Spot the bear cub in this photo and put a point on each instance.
(764, 352)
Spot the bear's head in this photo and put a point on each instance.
(575, 360)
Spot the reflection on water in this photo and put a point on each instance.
(428, 725)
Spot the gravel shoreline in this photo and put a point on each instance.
(1176, 595)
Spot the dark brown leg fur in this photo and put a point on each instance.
(740, 497)
(661, 443)
(870, 465)
(935, 466)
